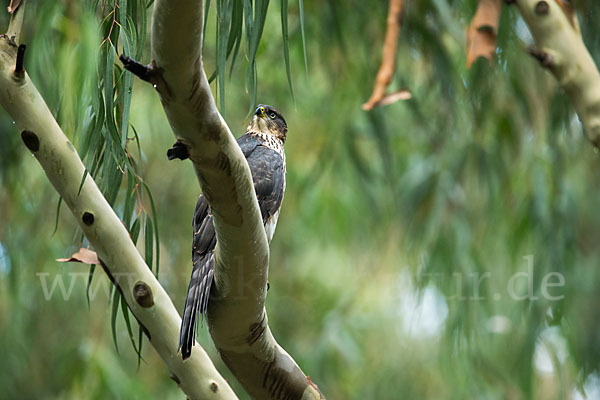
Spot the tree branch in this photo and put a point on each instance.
(236, 316)
(17, 9)
(388, 61)
(561, 50)
(197, 377)
(483, 30)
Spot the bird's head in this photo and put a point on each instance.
(268, 120)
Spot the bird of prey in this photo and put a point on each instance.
(262, 145)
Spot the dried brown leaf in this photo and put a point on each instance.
(482, 32)
(85, 256)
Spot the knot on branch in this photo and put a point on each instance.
(31, 140)
(88, 218)
(542, 8)
(143, 294)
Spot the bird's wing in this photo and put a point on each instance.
(196, 302)
(204, 230)
(268, 174)
(248, 143)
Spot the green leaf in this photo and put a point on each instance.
(113, 319)
(235, 34)
(206, 9)
(85, 174)
(140, 341)
(89, 283)
(134, 232)
(127, 84)
(125, 311)
(129, 200)
(224, 9)
(137, 140)
(255, 21)
(155, 219)
(301, 6)
(142, 33)
(149, 242)
(58, 204)
(286, 47)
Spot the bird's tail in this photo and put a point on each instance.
(196, 301)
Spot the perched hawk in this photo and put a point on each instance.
(262, 145)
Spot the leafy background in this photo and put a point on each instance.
(390, 220)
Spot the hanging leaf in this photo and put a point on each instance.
(85, 256)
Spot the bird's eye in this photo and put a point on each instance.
(272, 115)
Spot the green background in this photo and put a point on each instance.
(400, 231)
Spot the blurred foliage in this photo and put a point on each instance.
(402, 229)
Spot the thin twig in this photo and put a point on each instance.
(388, 62)
(16, 24)
(112, 25)
(144, 72)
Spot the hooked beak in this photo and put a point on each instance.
(260, 111)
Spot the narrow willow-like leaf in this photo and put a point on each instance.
(85, 174)
(89, 283)
(149, 242)
(125, 311)
(142, 33)
(236, 33)
(58, 204)
(140, 341)
(286, 46)
(113, 319)
(108, 87)
(206, 9)
(224, 10)
(134, 232)
(212, 77)
(122, 15)
(127, 92)
(255, 22)
(301, 9)
(129, 200)
(127, 84)
(137, 140)
(249, 25)
(114, 179)
(155, 219)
